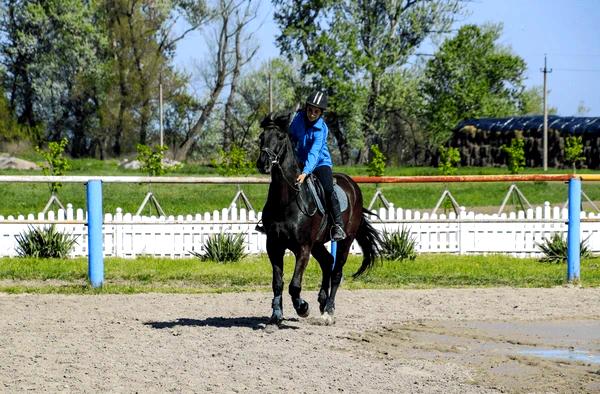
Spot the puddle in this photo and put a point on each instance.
(563, 354)
(498, 354)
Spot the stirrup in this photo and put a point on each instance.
(260, 228)
(337, 233)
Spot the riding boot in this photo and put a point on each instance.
(337, 231)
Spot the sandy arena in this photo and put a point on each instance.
(413, 341)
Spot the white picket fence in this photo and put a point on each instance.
(127, 235)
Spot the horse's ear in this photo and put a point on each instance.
(283, 120)
(267, 121)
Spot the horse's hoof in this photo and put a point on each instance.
(327, 319)
(303, 310)
(276, 319)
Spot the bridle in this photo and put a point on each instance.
(274, 158)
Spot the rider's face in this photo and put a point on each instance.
(313, 113)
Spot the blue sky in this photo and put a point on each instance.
(567, 31)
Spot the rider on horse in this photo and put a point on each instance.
(309, 132)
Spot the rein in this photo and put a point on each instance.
(274, 157)
(295, 186)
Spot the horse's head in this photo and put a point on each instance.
(275, 145)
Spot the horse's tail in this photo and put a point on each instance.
(369, 240)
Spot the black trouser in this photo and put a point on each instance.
(325, 176)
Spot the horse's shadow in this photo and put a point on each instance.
(255, 323)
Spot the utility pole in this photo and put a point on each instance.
(160, 107)
(545, 71)
(270, 89)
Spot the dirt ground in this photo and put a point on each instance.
(419, 341)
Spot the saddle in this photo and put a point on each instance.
(313, 192)
(317, 194)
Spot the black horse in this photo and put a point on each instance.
(295, 223)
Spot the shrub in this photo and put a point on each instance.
(45, 243)
(449, 160)
(555, 249)
(56, 163)
(398, 245)
(223, 248)
(151, 159)
(516, 155)
(234, 162)
(376, 166)
(574, 151)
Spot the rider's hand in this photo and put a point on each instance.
(301, 178)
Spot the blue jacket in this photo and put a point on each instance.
(311, 142)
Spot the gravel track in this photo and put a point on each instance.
(382, 341)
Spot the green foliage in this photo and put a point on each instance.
(56, 163)
(10, 129)
(515, 155)
(352, 55)
(223, 248)
(573, 150)
(398, 245)
(449, 160)
(376, 166)
(90, 70)
(532, 100)
(470, 76)
(44, 243)
(152, 159)
(53, 47)
(234, 162)
(555, 249)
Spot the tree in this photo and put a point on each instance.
(582, 109)
(48, 47)
(90, 70)
(229, 53)
(253, 103)
(403, 138)
(470, 76)
(533, 102)
(143, 48)
(10, 129)
(348, 47)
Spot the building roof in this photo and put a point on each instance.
(567, 124)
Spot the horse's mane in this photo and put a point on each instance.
(279, 120)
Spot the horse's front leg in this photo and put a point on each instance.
(275, 253)
(325, 260)
(343, 248)
(302, 257)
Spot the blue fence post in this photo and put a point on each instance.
(573, 241)
(94, 222)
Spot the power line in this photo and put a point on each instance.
(579, 69)
(575, 54)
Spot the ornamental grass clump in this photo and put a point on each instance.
(222, 248)
(555, 249)
(398, 245)
(45, 242)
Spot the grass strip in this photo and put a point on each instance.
(145, 274)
